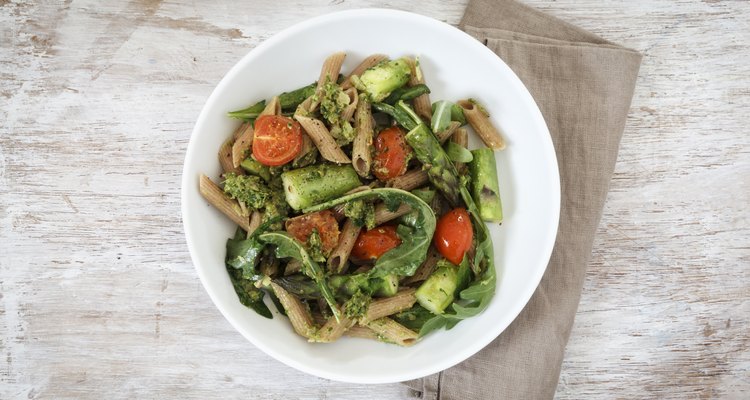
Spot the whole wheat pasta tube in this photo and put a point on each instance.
(241, 129)
(331, 68)
(348, 112)
(448, 132)
(340, 255)
(272, 108)
(489, 134)
(298, 314)
(256, 218)
(392, 331)
(362, 332)
(422, 104)
(332, 330)
(231, 208)
(292, 267)
(425, 269)
(338, 211)
(367, 63)
(361, 149)
(323, 140)
(410, 180)
(242, 145)
(386, 306)
(225, 158)
(461, 138)
(383, 215)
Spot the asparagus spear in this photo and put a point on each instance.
(308, 186)
(484, 185)
(439, 167)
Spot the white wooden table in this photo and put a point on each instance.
(98, 296)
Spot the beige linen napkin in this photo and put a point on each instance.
(583, 85)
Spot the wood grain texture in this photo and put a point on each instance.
(98, 295)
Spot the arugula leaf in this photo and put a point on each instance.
(458, 153)
(289, 247)
(477, 297)
(415, 233)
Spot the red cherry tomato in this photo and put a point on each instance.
(328, 228)
(372, 244)
(453, 235)
(392, 153)
(277, 140)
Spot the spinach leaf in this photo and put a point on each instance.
(415, 233)
(441, 115)
(249, 295)
(289, 247)
(458, 153)
(243, 254)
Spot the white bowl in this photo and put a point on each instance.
(455, 66)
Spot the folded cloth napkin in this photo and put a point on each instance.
(583, 85)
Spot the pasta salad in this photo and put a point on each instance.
(360, 209)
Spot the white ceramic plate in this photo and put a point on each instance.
(455, 66)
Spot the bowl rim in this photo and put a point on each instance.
(548, 150)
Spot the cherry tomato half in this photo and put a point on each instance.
(277, 140)
(392, 153)
(453, 235)
(328, 228)
(372, 244)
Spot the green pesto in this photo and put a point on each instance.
(333, 102)
(315, 247)
(357, 305)
(248, 189)
(361, 212)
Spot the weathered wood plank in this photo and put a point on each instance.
(97, 291)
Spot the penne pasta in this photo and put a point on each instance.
(410, 180)
(386, 306)
(323, 140)
(292, 267)
(331, 68)
(392, 331)
(448, 132)
(256, 218)
(272, 108)
(368, 62)
(332, 330)
(217, 198)
(348, 112)
(482, 125)
(461, 138)
(242, 146)
(298, 314)
(422, 104)
(241, 129)
(338, 211)
(225, 158)
(383, 215)
(362, 147)
(362, 332)
(425, 269)
(340, 255)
